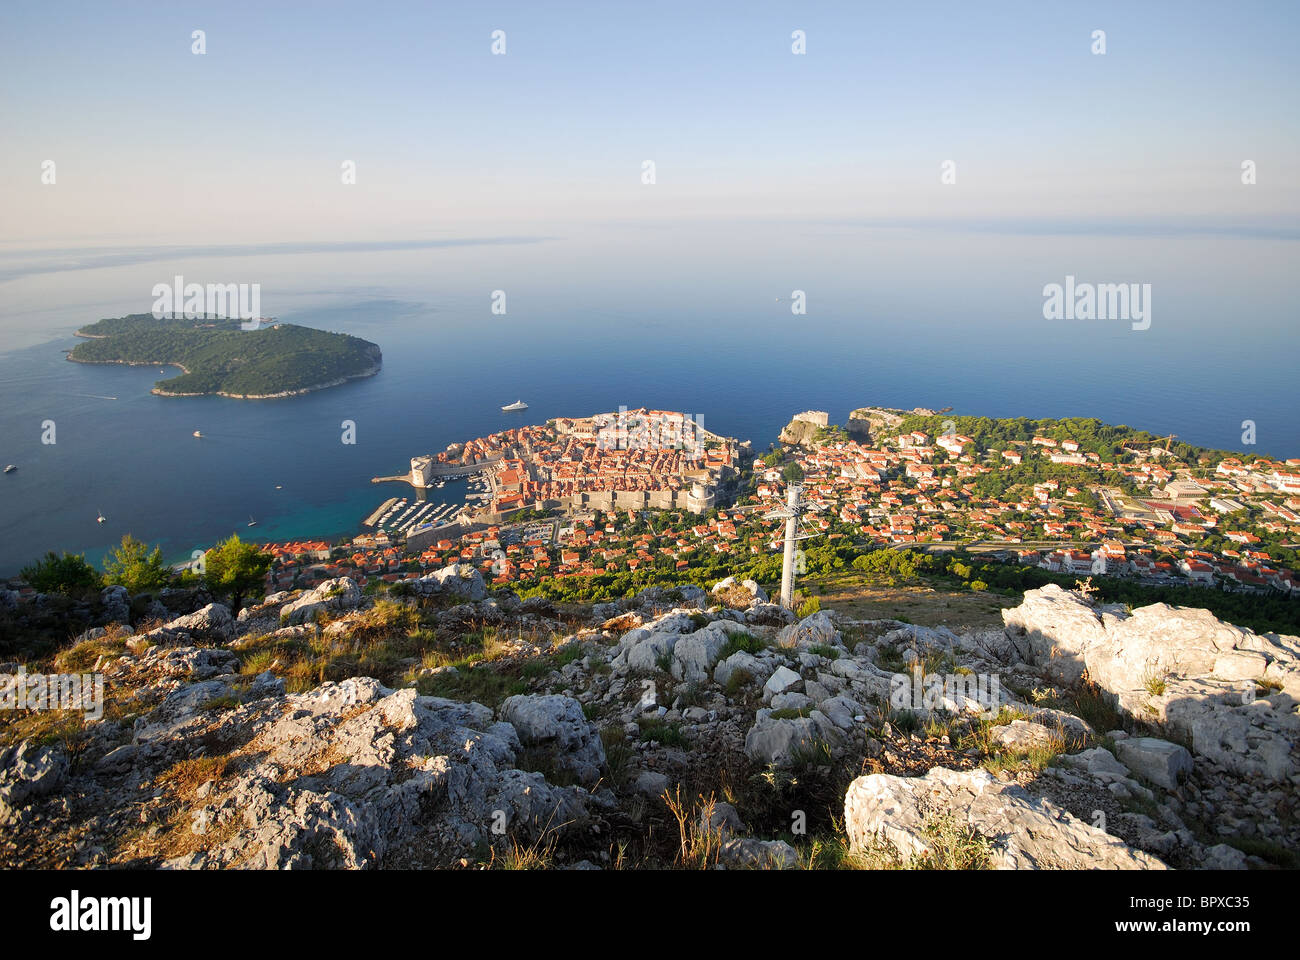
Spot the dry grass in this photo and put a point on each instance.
(184, 830)
(854, 596)
(186, 776)
(734, 596)
(538, 855)
(81, 657)
(698, 849)
(950, 842)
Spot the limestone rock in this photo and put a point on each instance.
(650, 784)
(720, 818)
(459, 579)
(783, 742)
(695, 654)
(750, 854)
(1223, 857)
(814, 630)
(556, 723)
(29, 770)
(1023, 736)
(781, 680)
(740, 661)
(1024, 832)
(211, 623)
(1206, 671)
(1159, 761)
(116, 603)
(332, 596)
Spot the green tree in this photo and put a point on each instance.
(134, 567)
(234, 568)
(69, 574)
(792, 471)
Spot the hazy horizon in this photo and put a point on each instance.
(153, 144)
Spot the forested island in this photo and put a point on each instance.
(217, 356)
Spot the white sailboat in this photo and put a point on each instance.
(100, 518)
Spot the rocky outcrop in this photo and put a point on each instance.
(790, 741)
(1227, 691)
(866, 422)
(798, 432)
(28, 771)
(460, 580)
(696, 654)
(206, 761)
(332, 596)
(646, 648)
(740, 594)
(117, 604)
(556, 724)
(814, 630)
(1159, 761)
(1021, 832)
(212, 623)
(344, 776)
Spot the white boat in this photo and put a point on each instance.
(10, 469)
(100, 518)
(197, 433)
(517, 405)
(251, 521)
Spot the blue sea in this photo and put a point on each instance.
(695, 318)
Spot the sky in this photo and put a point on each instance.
(244, 144)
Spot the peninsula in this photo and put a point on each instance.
(218, 356)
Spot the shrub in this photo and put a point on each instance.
(68, 574)
(134, 567)
(737, 642)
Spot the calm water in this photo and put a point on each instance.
(677, 318)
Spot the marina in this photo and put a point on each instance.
(398, 516)
(402, 516)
